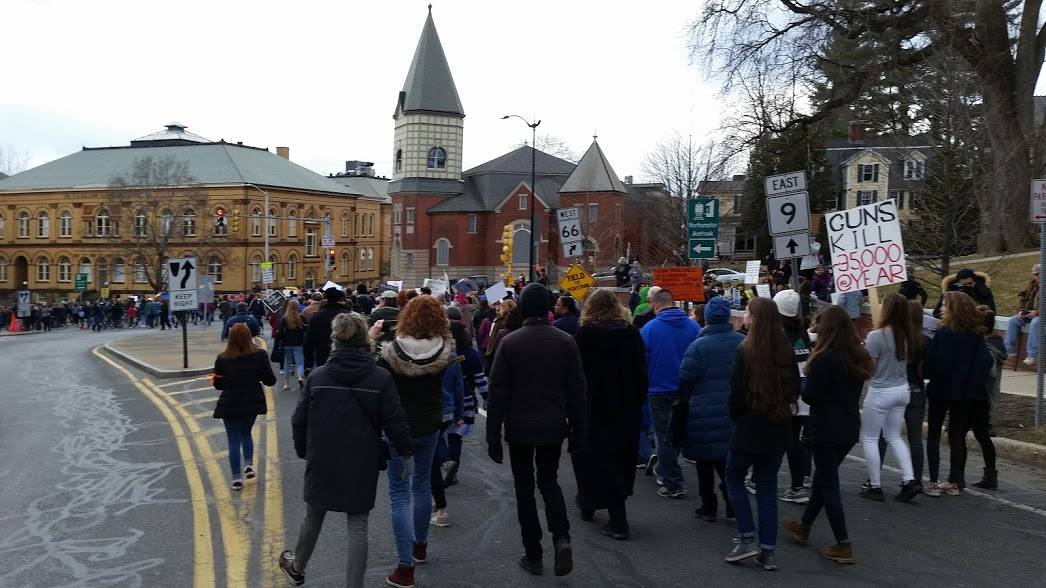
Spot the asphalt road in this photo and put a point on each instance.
(109, 478)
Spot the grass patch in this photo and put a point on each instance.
(1014, 418)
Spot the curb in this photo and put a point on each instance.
(148, 367)
(1022, 451)
(21, 333)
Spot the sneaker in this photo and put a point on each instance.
(909, 490)
(808, 482)
(286, 386)
(421, 554)
(1029, 361)
(799, 531)
(872, 493)
(650, 464)
(534, 567)
(840, 552)
(742, 550)
(953, 489)
(800, 496)
(609, 531)
(934, 490)
(301, 383)
(706, 515)
(767, 560)
(237, 484)
(248, 472)
(564, 561)
(287, 565)
(440, 519)
(403, 577)
(750, 486)
(664, 492)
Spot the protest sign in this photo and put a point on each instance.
(683, 282)
(496, 292)
(752, 272)
(866, 247)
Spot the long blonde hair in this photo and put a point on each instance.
(292, 317)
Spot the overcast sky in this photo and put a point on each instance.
(322, 76)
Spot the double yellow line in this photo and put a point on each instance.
(236, 542)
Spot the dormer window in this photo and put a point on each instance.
(437, 158)
(914, 169)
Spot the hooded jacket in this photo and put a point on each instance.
(240, 381)
(417, 367)
(667, 338)
(339, 407)
(318, 333)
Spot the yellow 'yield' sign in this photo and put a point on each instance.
(576, 282)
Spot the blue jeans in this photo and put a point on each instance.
(238, 431)
(418, 487)
(764, 474)
(667, 456)
(295, 355)
(1013, 333)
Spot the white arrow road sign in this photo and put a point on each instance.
(791, 245)
(571, 249)
(699, 248)
(181, 282)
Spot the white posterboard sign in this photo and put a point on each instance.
(181, 282)
(397, 284)
(763, 290)
(438, 287)
(752, 272)
(331, 284)
(496, 292)
(866, 247)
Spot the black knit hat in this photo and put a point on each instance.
(534, 301)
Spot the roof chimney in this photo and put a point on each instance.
(857, 128)
(284, 152)
(628, 179)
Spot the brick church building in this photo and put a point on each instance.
(449, 220)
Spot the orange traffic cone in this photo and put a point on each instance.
(13, 327)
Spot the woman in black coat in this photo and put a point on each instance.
(239, 373)
(616, 375)
(346, 403)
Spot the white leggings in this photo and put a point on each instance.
(884, 411)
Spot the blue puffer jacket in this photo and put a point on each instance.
(705, 373)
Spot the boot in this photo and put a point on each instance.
(403, 577)
(990, 481)
(840, 552)
(799, 531)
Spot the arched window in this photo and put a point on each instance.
(1, 225)
(310, 235)
(292, 266)
(520, 243)
(270, 222)
(310, 280)
(214, 269)
(442, 252)
(397, 214)
(119, 270)
(363, 260)
(65, 268)
(43, 225)
(103, 272)
(344, 264)
(102, 223)
(85, 268)
(437, 158)
(256, 229)
(43, 269)
(65, 224)
(292, 224)
(3, 269)
(256, 268)
(274, 260)
(345, 224)
(167, 223)
(189, 222)
(399, 160)
(141, 223)
(370, 258)
(355, 224)
(141, 273)
(23, 225)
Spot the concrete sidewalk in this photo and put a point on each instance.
(1020, 383)
(160, 352)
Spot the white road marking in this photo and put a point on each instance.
(181, 382)
(201, 389)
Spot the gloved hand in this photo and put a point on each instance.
(408, 466)
(496, 452)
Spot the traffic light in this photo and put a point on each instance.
(506, 251)
(219, 217)
(330, 258)
(235, 222)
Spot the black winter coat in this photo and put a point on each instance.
(957, 366)
(334, 430)
(292, 337)
(616, 378)
(537, 387)
(318, 333)
(833, 399)
(419, 379)
(240, 381)
(754, 432)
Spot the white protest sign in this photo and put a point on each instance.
(438, 287)
(866, 247)
(496, 292)
(397, 284)
(752, 272)
(331, 284)
(763, 290)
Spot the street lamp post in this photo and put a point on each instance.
(531, 255)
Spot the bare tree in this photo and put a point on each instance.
(782, 47)
(554, 146)
(13, 160)
(154, 211)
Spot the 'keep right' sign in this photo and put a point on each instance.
(866, 247)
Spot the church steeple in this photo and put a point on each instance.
(429, 86)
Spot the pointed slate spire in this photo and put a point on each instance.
(429, 85)
(593, 174)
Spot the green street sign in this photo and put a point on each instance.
(81, 282)
(702, 218)
(702, 248)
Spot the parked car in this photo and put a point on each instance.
(722, 271)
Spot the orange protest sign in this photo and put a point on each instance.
(683, 282)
